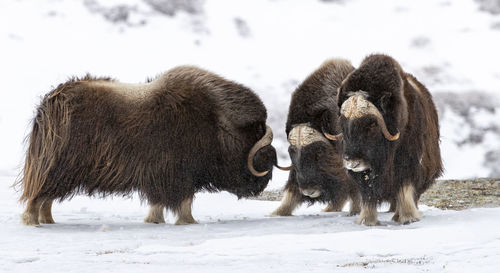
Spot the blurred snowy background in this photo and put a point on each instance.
(269, 45)
(452, 46)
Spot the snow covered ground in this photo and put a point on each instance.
(93, 235)
(270, 46)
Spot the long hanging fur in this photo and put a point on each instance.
(399, 169)
(186, 131)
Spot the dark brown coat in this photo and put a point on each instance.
(318, 174)
(186, 131)
(404, 162)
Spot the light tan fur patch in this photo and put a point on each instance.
(155, 214)
(406, 209)
(133, 91)
(45, 214)
(414, 85)
(289, 203)
(368, 216)
(184, 216)
(30, 215)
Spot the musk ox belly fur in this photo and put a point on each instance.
(187, 130)
(318, 173)
(390, 136)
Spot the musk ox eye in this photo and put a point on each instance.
(373, 126)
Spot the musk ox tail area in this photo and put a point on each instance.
(46, 141)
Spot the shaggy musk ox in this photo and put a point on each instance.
(317, 173)
(186, 131)
(390, 137)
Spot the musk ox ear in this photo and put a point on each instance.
(385, 102)
(326, 122)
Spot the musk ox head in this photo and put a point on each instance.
(372, 111)
(315, 161)
(257, 169)
(312, 117)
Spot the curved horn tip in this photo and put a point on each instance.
(333, 137)
(259, 174)
(285, 168)
(394, 137)
(264, 141)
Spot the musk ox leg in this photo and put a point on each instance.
(368, 215)
(155, 215)
(30, 215)
(45, 213)
(393, 206)
(355, 207)
(406, 211)
(289, 203)
(184, 216)
(334, 206)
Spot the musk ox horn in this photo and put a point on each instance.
(387, 135)
(264, 141)
(285, 168)
(358, 106)
(333, 137)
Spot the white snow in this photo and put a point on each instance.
(93, 235)
(451, 46)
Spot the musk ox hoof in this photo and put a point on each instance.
(29, 219)
(368, 222)
(44, 220)
(185, 222)
(154, 221)
(278, 213)
(353, 213)
(407, 219)
(155, 215)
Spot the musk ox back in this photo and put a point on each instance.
(317, 173)
(186, 131)
(390, 137)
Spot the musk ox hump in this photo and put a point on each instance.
(133, 91)
(235, 103)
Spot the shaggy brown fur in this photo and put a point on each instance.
(399, 170)
(186, 131)
(317, 165)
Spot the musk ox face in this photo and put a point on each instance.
(254, 167)
(364, 148)
(312, 158)
(264, 159)
(366, 138)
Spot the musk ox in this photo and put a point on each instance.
(185, 131)
(390, 137)
(317, 173)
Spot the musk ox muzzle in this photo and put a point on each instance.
(355, 165)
